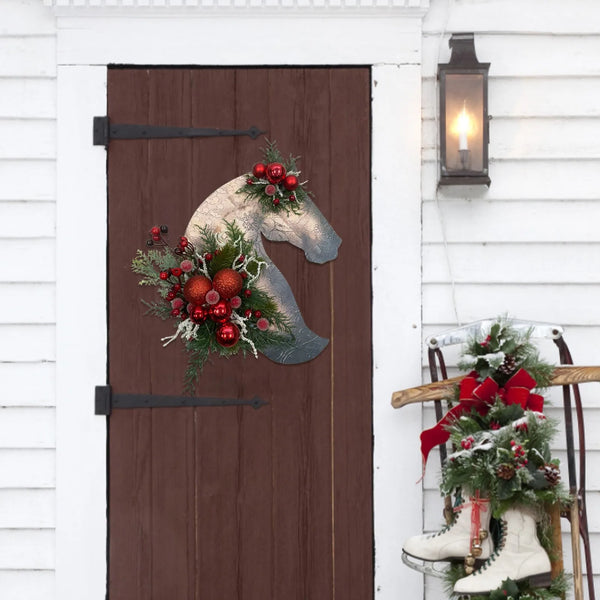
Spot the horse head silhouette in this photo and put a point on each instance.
(308, 230)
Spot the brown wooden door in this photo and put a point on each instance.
(235, 503)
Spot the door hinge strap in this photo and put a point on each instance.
(105, 131)
(106, 401)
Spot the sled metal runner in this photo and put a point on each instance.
(567, 376)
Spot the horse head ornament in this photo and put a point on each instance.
(306, 229)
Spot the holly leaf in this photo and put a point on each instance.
(507, 488)
(538, 480)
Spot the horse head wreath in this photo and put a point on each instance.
(306, 229)
(220, 286)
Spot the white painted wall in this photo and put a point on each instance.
(528, 245)
(27, 300)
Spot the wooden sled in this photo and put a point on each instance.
(567, 376)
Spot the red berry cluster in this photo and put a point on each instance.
(519, 454)
(467, 442)
(156, 238)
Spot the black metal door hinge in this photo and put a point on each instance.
(105, 131)
(106, 401)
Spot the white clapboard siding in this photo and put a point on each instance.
(27, 260)
(27, 138)
(27, 508)
(536, 97)
(27, 468)
(530, 138)
(27, 98)
(28, 383)
(27, 427)
(30, 585)
(28, 56)
(27, 179)
(28, 343)
(521, 180)
(462, 220)
(28, 219)
(25, 18)
(566, 304)
(27, 549)
(538, 263)
(27, 303)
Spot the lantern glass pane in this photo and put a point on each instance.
(464, 122)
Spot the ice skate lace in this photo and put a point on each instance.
(458, 504)
(503, 527)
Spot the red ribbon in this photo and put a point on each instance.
(477, 504)
(480, 396)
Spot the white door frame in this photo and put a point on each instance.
(89, 38)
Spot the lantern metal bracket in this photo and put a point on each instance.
(106, 401)
(105, 131)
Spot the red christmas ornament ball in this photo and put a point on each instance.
(195, 288)
(228, 335)
(228, 282)
(199, 314)
(220, 312)
(259, 170)
(275, 172)
(290, 183)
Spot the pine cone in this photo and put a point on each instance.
(551, 473)
(509, 366)
(505, 471)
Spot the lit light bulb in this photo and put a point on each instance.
(463, 126)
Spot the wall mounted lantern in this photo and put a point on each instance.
(464, 124)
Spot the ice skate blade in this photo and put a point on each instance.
(426, 567)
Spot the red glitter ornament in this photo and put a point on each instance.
(228, 335)
(220, 312)
(290, 183)
(228, 282)
(275, 172)
(259, 170)
(195, 288)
